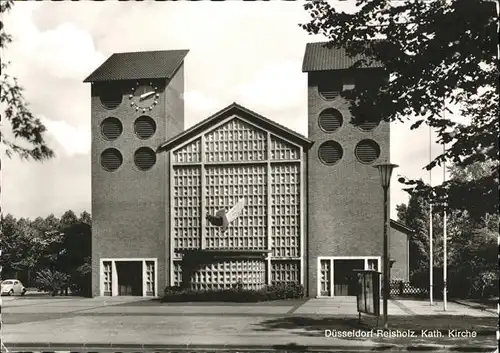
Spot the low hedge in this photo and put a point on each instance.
(274, 292)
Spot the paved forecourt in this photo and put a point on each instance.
(130, 321)
(339, 306)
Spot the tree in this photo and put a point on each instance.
(472, 243)
(68, 219)
(28, 245)
(416, 216)
(78, 244)
(48, 249)
(432, 51)
(74, 259)
(86, 218)
(23, 246)
(8, 244)
(28, 131)
(473, 255)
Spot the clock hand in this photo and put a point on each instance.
(146, 95)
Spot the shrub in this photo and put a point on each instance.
(237, 294)
(290, 290)
(485, 284)
(420, 280)
(81, 280)
(51, 281)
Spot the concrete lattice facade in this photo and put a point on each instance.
(235, 160)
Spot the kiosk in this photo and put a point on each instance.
(368, 292)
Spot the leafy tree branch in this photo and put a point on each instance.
(434, 52)
(28, 131)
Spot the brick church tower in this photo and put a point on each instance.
(137, 103)
(344, 193)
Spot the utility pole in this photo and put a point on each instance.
(445, 235)
(431, 260)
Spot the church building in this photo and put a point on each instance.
(312, 207)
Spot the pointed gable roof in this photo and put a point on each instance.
(138, 65)
(323, 56)
(238, 110)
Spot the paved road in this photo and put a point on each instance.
(132, 321)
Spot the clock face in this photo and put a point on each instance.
(144, 96)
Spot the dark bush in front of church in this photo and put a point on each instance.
(273, 292)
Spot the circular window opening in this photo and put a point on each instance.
(111, 128)
(145, 158)
(330, 120)
(368, 125)
(111, 96)
(330, 152)
(330, 89)
(367, 151)
(111, 159)
(144, 127)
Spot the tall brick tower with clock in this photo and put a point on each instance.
(136, 104)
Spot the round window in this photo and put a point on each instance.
(111, 96)
(367, 151)
(145, 158)
(144, 127)
(111, 159)
(111, 128)
(330, 152)
(330, 120)
(368, 125)
(330, 89)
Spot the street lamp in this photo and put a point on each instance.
(385, 170)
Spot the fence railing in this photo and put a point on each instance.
(402, 289)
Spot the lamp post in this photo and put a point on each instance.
(385, 170)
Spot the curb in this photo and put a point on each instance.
(469, 305)
(95, 347)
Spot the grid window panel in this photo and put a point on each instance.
(373, 264)
(325, 284)
(285, 272)
(191, 153)
(227, 273)
(285, 210)
(225, 185)
(150, 278)
(178, 255)
(186, 207)
(177, 273)
(236, 141)
(282, 150)
(108, 279)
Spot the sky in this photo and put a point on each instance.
(249, 53)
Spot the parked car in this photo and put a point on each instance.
(12, 287)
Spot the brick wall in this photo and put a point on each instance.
(129, 205)
(399, 252)
(345, 201)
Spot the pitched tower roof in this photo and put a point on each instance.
(137, 65)
(320, 56)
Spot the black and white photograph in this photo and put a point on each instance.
(249, 176)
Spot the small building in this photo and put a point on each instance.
(313, 205)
